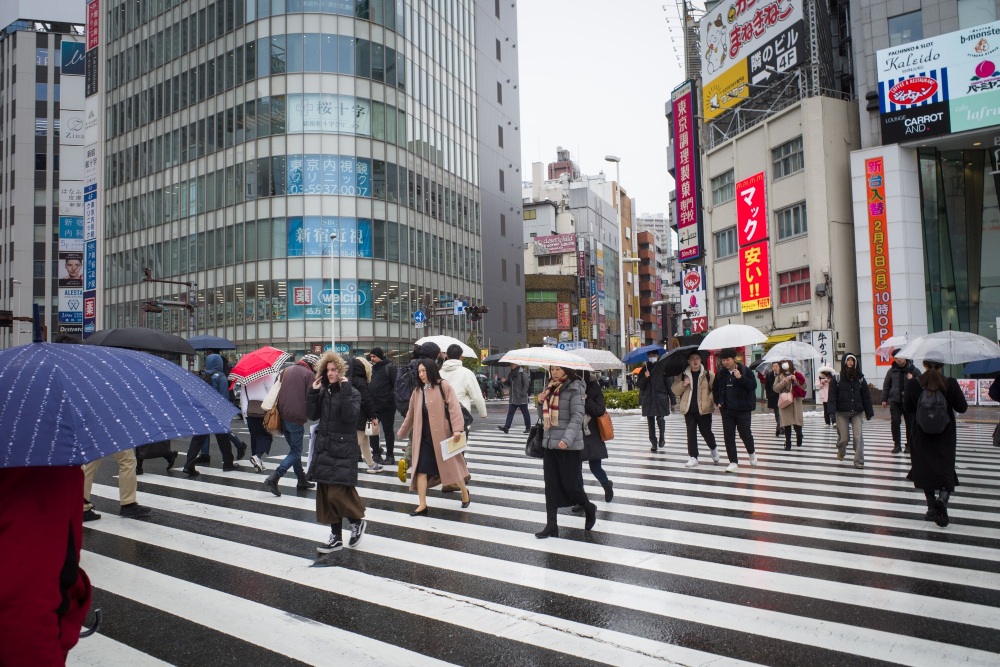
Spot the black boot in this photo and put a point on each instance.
(798, 436)
(652, 442)
(941, 506)
(304, 484)
(788, 438)
(551, 529)
(591, 513)
(608, 492)
(271, 483)
(931, 510)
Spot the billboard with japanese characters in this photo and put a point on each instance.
(686, 172)
(752, 236)
(755, 277)
(744, 43)
(878, 243)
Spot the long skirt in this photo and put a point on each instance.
(335, 502)
(561, 469)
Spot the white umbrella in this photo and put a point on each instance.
(732, 335)
(444, 341)
(892, 343)
(543, 357)
(793, 350)
(951, 347)
(599, 360)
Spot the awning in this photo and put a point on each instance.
(778, 338)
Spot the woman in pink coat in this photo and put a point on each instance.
(427, 419)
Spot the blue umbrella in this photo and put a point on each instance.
(211, 343)
(641, 354)
(63, 405)
(986, 367)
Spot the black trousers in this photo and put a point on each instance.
(512, 410)
(696, 422)
(897, 414)
(654, 422)
(561, 471)
(221, 439)
(260, 438)
(732, 422)
(387, 426)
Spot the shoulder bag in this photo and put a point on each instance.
(605, 428)
(785, 399)
(533, 447)
(272, 418)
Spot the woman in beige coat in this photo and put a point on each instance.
(794, 382)
(427, 420)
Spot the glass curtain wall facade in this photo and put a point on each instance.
(240, 134)
(961, 228)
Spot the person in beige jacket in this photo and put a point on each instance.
(694, 391)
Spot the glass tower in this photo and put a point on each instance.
(240, 135)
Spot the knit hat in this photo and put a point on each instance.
(378, 352)
(311, 359)
(429, 351)
(728, 353)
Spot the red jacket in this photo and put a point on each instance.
(44, 594)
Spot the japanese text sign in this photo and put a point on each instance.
(755, 277)
(751, 210)
(686, 174)
(563, 322)
(878, 243)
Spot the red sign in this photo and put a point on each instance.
(686, 173)
(302, 296)
(90, 307)
(751, 210)
(878, 244)
(93, 17)
(913, 91)
(755, 277)
(699, 325)
(563, 322)
(692, 281)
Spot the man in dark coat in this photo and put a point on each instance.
(654, 399)
(901, 372)
(295, 381)
(735, 394)
(381, 386)
(932, 456)
(850, 398)
(772, 396)
(520, 383)
(360, 370)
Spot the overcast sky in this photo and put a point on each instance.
(595, 75)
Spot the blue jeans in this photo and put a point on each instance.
(293, 434)
(512, 410)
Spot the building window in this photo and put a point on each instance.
(725, 243)
(788, 158)
(498, 49)
(541, 296)
(976, 12)
(723, 188)
(496, 8)
(906, 28)
(550, 260)
(503, 270)
(517, 283)
(530, 214)
(792, 221)
(500, 136)
(727, 300)
(542, 323)
(503, 225)
(499, 93)
(793, 286)
(502, 188)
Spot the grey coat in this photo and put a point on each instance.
(571, 415)
(519, 384)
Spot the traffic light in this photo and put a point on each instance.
(475, 312)
(686, 326)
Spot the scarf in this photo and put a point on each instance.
(550, 405)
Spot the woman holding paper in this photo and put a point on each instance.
(435, 418)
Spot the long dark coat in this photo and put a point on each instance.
(594, 449)
(654, 394)
(769, 392)
(335, 449)
(932, 457)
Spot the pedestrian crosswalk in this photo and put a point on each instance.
(802, 559)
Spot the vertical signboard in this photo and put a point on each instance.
(878, 243)
(693, 298)
(686, 173)
(563, 320)
(755, 277)
(751, 210)
(91, 139)
(752, 236)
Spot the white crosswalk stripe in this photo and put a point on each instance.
(800, 559)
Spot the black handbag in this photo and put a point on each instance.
(533, 448)
(467, 416)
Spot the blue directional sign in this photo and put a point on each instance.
(419, 316)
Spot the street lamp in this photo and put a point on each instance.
(17, 341)
(333, 305)
(655, 305)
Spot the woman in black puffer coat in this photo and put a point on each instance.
(335, 405)
(594, 449)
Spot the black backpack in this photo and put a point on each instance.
(406, 381)
(932, 412)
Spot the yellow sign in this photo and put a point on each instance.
(726, 91)
(483, 354)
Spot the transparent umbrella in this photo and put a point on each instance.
(951, 347)
(732, 335)
(793, 350)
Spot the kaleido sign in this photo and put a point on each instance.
(949, 83)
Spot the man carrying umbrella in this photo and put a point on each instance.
(901, 372)
(654, 399)
(735, 394)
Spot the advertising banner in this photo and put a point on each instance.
(90, 73)
(686, 173)
(970, 388)
(312, 298)
(309, 236)
(878, 244)
(563, 318)
(945, 84)
(751, 210)
(70, 304)
(693, 292)
(555, 244)
(755, 277)
(72, 60)
(735, 40)
(822, 340)
(70, 234)
(327, 112)
(326, 174)
(984, 392)
(93, 23)
(71, 198)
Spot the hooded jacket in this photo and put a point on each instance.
(895, 381)
(215, 368)
(381, 385)
(850, 396)
(360, 371)
(466, 386)
(335, 446)
(520, 384)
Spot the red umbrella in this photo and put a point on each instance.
(257, 364)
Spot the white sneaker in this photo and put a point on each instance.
(257, 463)
(375, 468)
(731, 467)
(753, 459)
(715, 455)
(692, 462)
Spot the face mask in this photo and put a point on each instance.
(653, 359)
(784, 367)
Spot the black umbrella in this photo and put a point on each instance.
(675, 362)
(141, 338)
(494, 360)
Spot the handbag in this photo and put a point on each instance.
(255, 409)
(467, 417)
(533, 448)
(272, 421)
(372, 428)
(605, 428)
(272, 394)
(785, 399)
(996, 436)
